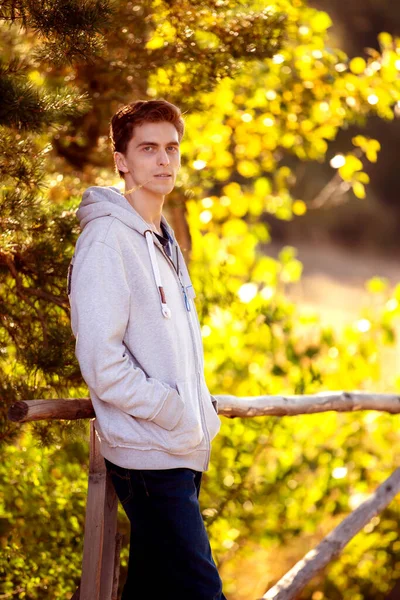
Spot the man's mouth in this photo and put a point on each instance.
(163, 176)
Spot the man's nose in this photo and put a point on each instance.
(163, 158)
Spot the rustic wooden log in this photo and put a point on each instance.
(294, 581)
(108, 564)
(100, 529)
(339, 401)
(229, 406)
(117, 564)
(62, 408)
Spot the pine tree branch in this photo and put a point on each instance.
(57, 300)
(27, 107)
(70, 29)
(20, 291)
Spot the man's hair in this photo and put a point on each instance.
(136, 113)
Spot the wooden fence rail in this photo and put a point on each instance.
(228, 406)
(295, 580)
(101, 547)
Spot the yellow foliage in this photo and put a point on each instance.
(299, 207)
(320, 21)
(262, 186)
(36, 77)
(154, 43)
(351, 165)
(239, 206)
(248, 168)
(358, 65)
(359, 189)
(232, 189)
(234, 228)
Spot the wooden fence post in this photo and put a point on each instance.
(99, 564)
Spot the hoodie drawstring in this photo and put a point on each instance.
(166, 311)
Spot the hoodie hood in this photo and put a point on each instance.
(99, 202)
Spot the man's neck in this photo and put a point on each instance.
(149, 207)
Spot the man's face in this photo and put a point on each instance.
(152, 151)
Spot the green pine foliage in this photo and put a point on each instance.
(70, 30)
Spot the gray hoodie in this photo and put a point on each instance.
(138, 339)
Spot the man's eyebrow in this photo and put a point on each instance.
(173, 143)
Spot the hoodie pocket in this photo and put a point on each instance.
(188, 433)
(127, 431)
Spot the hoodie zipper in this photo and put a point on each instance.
(187, 303)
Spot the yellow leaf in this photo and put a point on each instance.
(292, 271)
(232, 190)
(385, 39)
(359, 189)
(306, 125)
(372, 155)
(374, 144)
(36, 77)
(247, 168)
(234, 227)
(321, 21)
(360, 141)
(262, 186)
(299, 207)
(239, 206)
(287, 140)
(363, 177)
(373, 148)
(351, 165)
(358, 65)
(377, 285)
(266, 270)
(162, 77)
(155, 43)
(287, 254)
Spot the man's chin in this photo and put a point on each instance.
(163, 187)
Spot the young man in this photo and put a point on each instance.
(139, 347)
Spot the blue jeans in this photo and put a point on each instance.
(170, 554)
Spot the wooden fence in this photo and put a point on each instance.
(102, 542)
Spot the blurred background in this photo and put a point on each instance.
(345, 242)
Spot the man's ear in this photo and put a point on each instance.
(120, 161)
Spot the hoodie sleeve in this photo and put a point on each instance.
(99, 297)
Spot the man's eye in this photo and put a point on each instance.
(174, 148)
